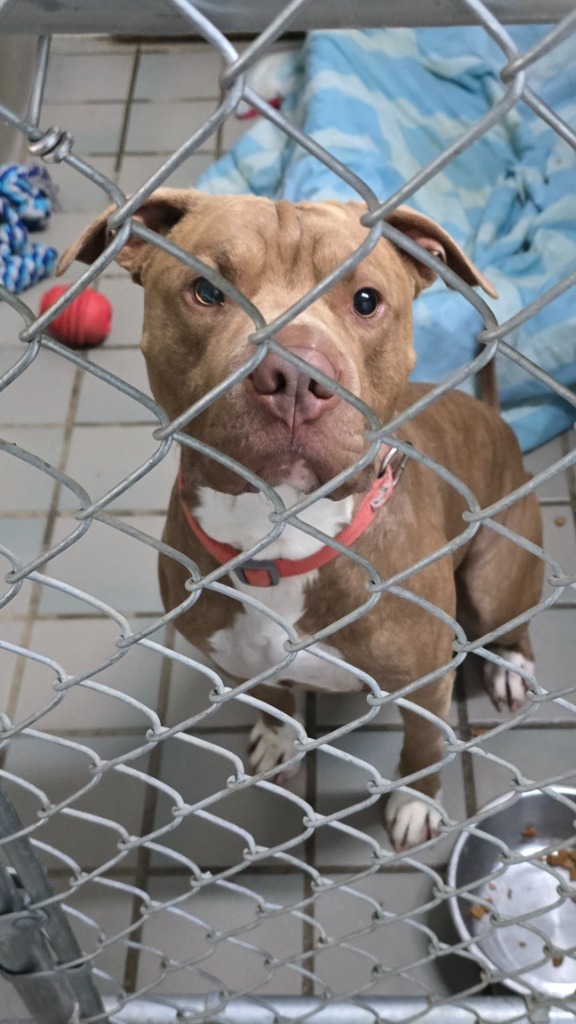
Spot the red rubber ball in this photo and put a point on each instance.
(85, 323)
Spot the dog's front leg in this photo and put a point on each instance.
(410, 820)
(271, 741)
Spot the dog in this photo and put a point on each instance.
(283, 422)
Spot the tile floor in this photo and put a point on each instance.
(149, 917)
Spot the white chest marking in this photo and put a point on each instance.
(254, 642)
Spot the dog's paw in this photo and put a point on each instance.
(270, 746)
(410, 821)
(507, 688)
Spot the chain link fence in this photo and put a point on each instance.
(306, 912)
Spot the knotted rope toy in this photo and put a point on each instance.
(26, 202)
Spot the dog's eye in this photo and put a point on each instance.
(366, 302)
(207, 294)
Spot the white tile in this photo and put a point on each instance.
(41, 394)
(560, 543)
(18, 606)
(543, 458)
(190, 74)
(100, 457)
(190, 690)
(26, 487)
(163, 127)
(137, 170)
(343, 784)
(380, 933)
(553, 635)
(42, 774)
(538, 755)
(198, 769)
(23, 538)
(71, 44)
(101, 402)
(95, 127)
(80, 646)
(223, 937)
(78, 193)
(108, 565)
(11, 324)
(82, 78)
(98, 912)
(11, 633)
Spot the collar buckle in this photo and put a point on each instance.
(400, 466)
(388, 477)
(250, 572)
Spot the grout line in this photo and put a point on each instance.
(127, 112)
(241, 730)
(183, 101)
(142, 871)
(163, 153)
(267, 870)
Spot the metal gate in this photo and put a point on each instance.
(305, 912)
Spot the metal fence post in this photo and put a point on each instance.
(37, 943)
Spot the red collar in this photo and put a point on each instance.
(262, 572)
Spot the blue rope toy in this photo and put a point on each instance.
(26, 203)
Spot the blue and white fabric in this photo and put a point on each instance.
(25, 205)
(386, 102)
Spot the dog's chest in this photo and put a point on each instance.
(254, 641)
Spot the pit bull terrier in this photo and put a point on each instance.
(285, 424)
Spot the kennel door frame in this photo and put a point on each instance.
(43, 17)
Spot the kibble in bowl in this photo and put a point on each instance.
(515, 879)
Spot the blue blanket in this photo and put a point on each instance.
(386, 102)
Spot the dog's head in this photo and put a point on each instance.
(279, 421)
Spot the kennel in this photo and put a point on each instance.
(144, 875)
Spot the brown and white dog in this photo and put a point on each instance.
(296, 434)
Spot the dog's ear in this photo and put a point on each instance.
(431, 236)
(160, 212)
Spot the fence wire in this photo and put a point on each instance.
(358, 931)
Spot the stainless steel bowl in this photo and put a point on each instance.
(520, 910)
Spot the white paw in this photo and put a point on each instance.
(507, 688)
(411, 821)
(270, 746)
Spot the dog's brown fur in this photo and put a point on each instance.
(273, 253)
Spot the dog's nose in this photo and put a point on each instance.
(292, 394)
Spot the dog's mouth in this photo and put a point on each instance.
(308, 466)
(303, 467)
(295, 471)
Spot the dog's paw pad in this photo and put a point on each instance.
(270, 746)
(507, 688)
(411, 821)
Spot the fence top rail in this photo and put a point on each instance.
(160, 17)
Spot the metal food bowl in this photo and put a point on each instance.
(519, 904)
